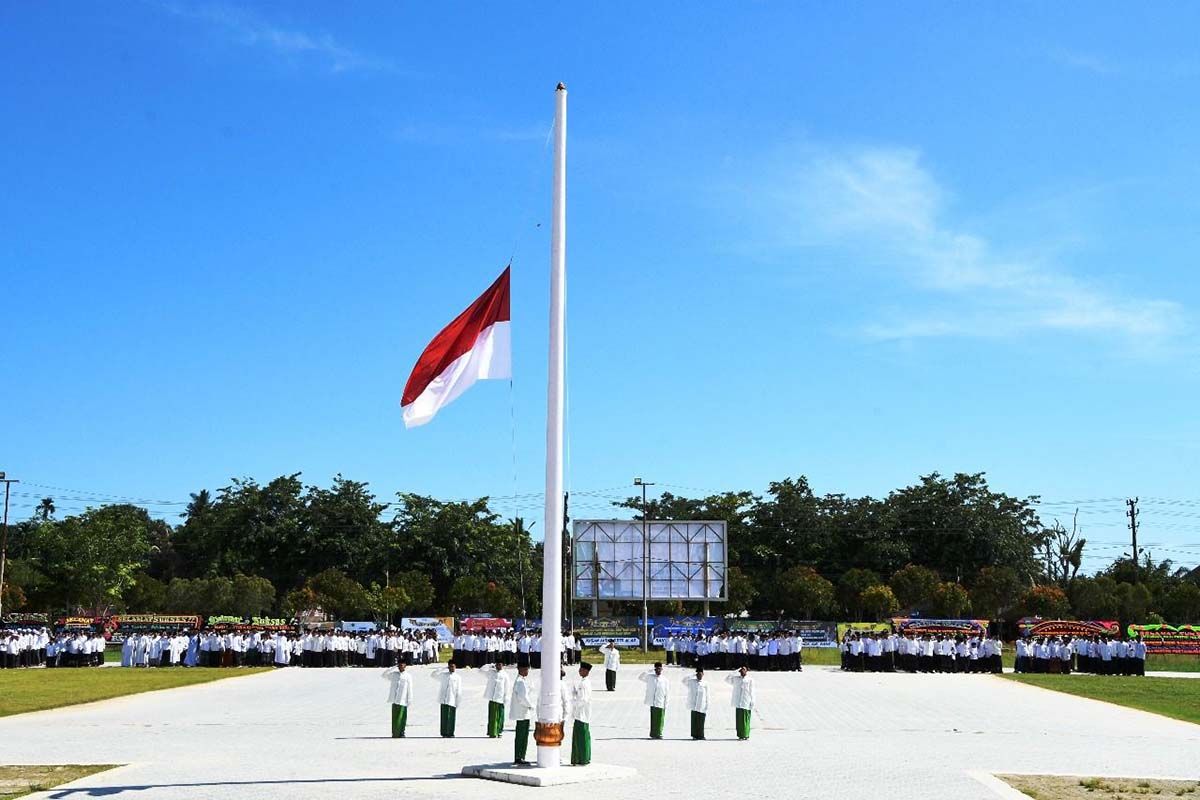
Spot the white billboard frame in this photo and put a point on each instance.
(688, 560)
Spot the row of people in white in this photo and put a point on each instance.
(1096, 654)
(881, 652)
(773, 651)
(475, 649)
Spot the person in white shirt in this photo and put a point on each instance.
(742, 700)
(657, 693)
(399, 695)
(521, 709)
(448, 697)
(612, 663)
(697, 701)
(581, 707)
(496, 693)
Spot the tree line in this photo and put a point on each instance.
(944, 546)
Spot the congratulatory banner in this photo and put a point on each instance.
(1168, 639)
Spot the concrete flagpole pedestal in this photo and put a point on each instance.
(554, 776)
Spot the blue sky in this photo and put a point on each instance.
(859, 245)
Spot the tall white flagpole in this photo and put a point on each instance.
(549, 731)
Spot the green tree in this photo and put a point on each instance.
(338, 594)
(1095, 598)
(1133, 601)
(1181, 606)
(850, 589)
(1049, 602)
(146, 594)
(418, 588)
(46, 508)
(878, 601)
(741, 591)
(467, 594)
(995, 591)
(957, 525)
(804, 593)
(950, 600)
(451, 540)
(387, 601)
(251, 595)
(92, 559)
(914, 586)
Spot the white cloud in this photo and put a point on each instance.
(249, 29)
(883, 205)
(1088, 62)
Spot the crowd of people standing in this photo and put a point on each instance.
(1098, 655)
(773, 651)
(892, 652)
(37, 647)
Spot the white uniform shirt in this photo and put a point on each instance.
(451, 687)
(400, 691)
(523, 702)
(496, 690)
(697, 699)
(612, 658)
(657, 689)
(743, 691)
(581, 700)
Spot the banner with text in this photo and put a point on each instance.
(1168, 639)
(662, 627)
(444, 626)
(919, 626)
(625, 631)
(844, 628)
(1035, 627)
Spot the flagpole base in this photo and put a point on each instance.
(543, 776)
(549, 757)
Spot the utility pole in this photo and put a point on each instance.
(519, 529)
(645, 569)
(4, 537)
(1132, 513)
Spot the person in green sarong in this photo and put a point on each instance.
(657, 692)
(496, 694)
(448, 694)
(697, 701)
(742, 700)
(521, 709)
(400, 697)
(581, 708)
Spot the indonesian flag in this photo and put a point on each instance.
(475, 346)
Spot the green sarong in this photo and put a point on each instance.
(697, 725)
(448, 714)
(521, 742)
(581, 744)
(399, 720)
(495, 722)
(658, 717)
(742, 723)
(610, 680)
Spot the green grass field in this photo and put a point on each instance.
(1171, 697)
(38, 689)
(18, 781)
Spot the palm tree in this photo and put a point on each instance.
(201, 504)
(46, 508)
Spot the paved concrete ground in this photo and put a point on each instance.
(299, 733)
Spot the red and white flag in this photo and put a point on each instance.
(475, 346)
